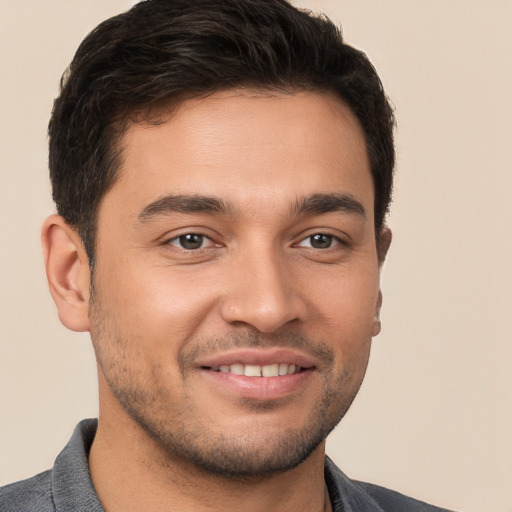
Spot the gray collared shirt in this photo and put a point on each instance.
(67, 487)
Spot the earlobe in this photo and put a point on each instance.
(67, 271)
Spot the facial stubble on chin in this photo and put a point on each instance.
(184, 434)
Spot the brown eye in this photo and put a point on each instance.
(191, 241)
(320, 241)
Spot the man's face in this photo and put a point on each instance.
(236, 288)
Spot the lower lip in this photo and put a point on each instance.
(259, 388)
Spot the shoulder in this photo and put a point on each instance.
(66, 487)
(353, 496)
(31, 495)
(394, 501)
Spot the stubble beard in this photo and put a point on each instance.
(185, 435)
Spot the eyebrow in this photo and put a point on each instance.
(326, 203)
(314, 204)
(183, 204)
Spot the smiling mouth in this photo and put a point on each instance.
(255, 370)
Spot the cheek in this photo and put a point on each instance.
(345, 297)
(344, 306)
(162, 304)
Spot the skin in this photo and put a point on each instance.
(277, 272)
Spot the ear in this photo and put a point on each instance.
(382, 251)
(384, 242)
(67, 271)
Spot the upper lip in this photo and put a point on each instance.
(260, 357)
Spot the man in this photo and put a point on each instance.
(222, 171)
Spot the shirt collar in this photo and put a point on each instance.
(344, 494)
(72, 486)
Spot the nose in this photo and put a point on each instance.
(262, 293)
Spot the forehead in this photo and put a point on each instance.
(248, 146)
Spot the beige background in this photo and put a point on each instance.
(434, 417)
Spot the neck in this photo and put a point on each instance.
(132, 473)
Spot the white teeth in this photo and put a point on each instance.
(252, 370)
(255, 370)
(237, 369)
(271, 370)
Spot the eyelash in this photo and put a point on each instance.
(333, 240)
(181, 239)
